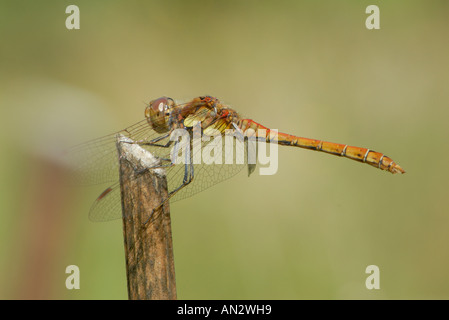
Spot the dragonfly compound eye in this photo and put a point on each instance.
(158, 114)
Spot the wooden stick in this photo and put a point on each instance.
(148, 246)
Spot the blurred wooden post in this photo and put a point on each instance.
(148, 247)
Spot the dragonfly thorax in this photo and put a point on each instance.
(158, 114)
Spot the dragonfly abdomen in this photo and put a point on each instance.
(371, 157)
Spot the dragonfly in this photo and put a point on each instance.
(97, 161)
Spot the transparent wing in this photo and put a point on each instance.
(205, 175)
(96, 161)
(107, 206)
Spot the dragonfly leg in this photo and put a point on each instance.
(188, 178)
(188, 175)
(142, 170)
(151, 143)
(154, 144)
(167, 165)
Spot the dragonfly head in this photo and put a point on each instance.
(158, 114)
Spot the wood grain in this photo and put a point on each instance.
(148, 244)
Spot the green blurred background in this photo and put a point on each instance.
(304, 67)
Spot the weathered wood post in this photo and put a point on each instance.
(148, 240)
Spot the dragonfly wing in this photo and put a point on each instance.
(204, 175)
(107, 206)
(96, 161)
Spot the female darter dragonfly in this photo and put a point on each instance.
(97, 160)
